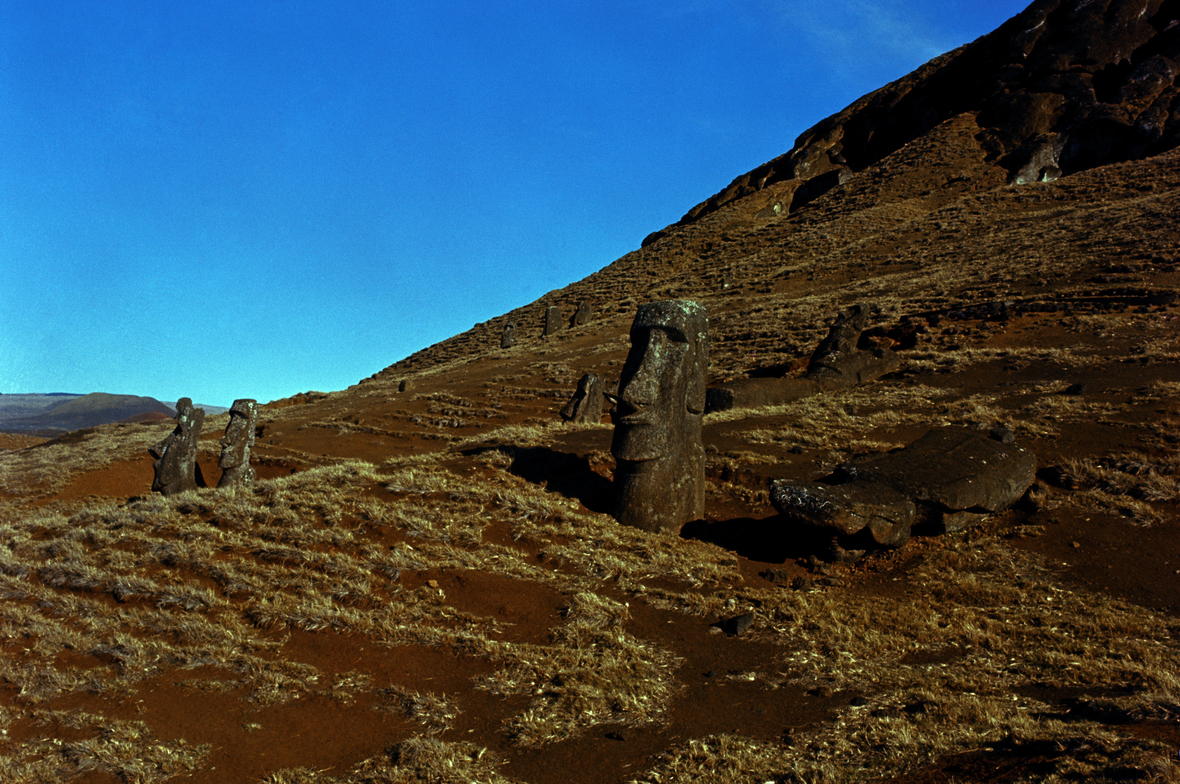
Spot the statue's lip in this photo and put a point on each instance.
(640, 417)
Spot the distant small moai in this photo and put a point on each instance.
(405, 385)
(508, 336)
(552, 321)
(176, 455)
(237, 443)
(659, 481)
(586, 403)
(581, 315)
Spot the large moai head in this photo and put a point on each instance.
(660, 474)
(237, 443)
(176, 455)
(508, 336)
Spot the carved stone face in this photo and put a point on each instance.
(662, 388)
(237, 440)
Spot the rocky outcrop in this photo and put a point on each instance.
(1064, 86)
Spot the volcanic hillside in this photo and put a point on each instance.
(424, 585)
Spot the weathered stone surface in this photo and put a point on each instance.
(552, 321)
(757, 392)
(582, 315)
(405, 385)
(955, 469)
(949, 479)
(586, 403)
(237, 443)
(659, 479)
(837, 362)
(508, 336)
(176, 456)
(848, 509)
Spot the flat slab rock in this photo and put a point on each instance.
(951, 477)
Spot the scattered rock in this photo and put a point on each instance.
(1003, 434)
(736, 625)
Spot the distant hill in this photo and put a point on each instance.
(62, 413)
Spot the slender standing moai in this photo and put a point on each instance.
(660, 462)
(552, 320)
(176, 455)
(237, 443)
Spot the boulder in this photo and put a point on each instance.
(947, 480)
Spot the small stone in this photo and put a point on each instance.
(1075, 545)
(1003, 434)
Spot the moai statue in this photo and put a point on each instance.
(237, 443)
(405, 385)
(586, 404)
(552, 320)
(581, 315)
(176, 455)
(837, 362)
(508, 336)
(659, 479)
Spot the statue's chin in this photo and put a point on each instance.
(634, 448)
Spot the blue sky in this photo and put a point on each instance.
(252, 199)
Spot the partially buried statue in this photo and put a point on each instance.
(587, 403)
(237, 443)
(659, 479)
(176, 455)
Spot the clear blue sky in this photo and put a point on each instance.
(252, 199)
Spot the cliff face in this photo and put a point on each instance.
(1064, 86)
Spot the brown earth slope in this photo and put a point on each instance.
(425, 586)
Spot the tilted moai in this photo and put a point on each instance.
(586, 404)
(176, 455)
(508, 336)
(552, 320)
(237, 443)
(581, 315)
(659, 479)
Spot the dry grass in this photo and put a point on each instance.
(44, 469)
